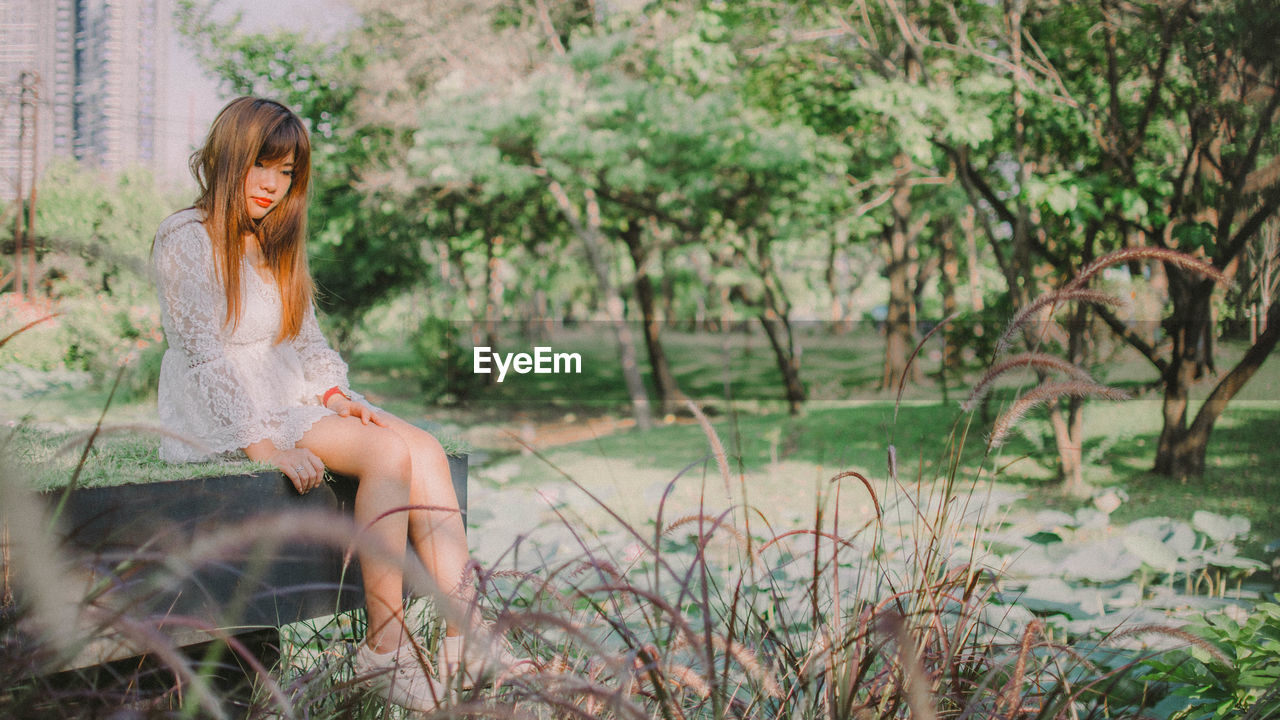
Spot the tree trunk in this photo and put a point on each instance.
(702, 314)
(781, 340)
(593, 242)
(1070, 465)
(968, 223)
(1191, 329)
(668, 287)
(1068, 432)
(494, 291)
(839, 315)
(774, 317)
(777, 324)
(1183, 449)
(664, 383)
(897, 328)
(949, 280)
(1073, 482)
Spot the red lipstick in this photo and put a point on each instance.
(262, 202)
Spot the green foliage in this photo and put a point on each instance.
(1239, 678)
(94, 240)
(141, 378)
(442, 365)
(757, 142)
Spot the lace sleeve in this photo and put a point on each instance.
(194, 304)
(321, 365)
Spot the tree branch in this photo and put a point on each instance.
(1235, 380)
(970, 176)
(1251, 226)
(1136, 341)
(544, 16)
(1161, 72)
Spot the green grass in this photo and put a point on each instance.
(1119, 445)
(115, 459)
(122, 456)
(719, 369)
(714, 369)
(848, 422)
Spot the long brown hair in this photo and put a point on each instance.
(246, 131)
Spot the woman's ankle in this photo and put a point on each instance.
(380, 649)
(385, 643)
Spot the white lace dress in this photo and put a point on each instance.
(222, 389)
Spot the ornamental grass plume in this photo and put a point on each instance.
(1039, 361)
(716, 523)
(1010, 697)
(1080, 383)
(1052, 300)
(706, 640)
(717, 447)
(1173, 257)
(1182, 635)
(1047, 392)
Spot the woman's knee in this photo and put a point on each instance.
(427, 445)
(422, 443)
(389, 456)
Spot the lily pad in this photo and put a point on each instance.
(1037, 561)
(1101, 561)
(1051, 519)
(1220, 527)
(1151, 551)
(1233, 561)
(1047, 596)
(1090, 519)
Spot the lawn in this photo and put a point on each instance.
(849, 423)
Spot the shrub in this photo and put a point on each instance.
(442, 370)
(93, 243)
(1236, 676)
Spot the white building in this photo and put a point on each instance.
(100, 66)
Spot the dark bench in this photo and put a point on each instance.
(246, 594)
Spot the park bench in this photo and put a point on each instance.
(249, 596)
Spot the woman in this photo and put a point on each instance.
(248, 373)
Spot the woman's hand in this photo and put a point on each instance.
(351, 408)
(302, 467)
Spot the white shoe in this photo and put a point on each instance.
(399, 677)
(468, 663)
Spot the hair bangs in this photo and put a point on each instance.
(288, 136)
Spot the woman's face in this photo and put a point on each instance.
(266, 185)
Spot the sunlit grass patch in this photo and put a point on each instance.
(123, 455)
(117, 457)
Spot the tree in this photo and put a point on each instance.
(1163, 133)
(1118, 124)
(639, 166)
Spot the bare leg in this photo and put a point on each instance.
(383, 464)
(438, 536)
